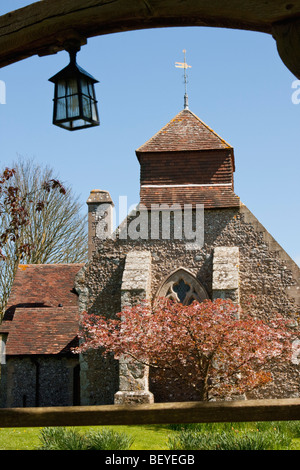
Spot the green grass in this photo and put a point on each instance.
(237, 436)
(149, 437)
(19, 438)
(145, 437)
(65, 438)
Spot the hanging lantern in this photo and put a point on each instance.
(75, 105)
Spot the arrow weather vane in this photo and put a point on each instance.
(184, 65)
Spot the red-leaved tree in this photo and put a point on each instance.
(208, 345)
(15, 205)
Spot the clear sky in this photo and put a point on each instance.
(238, 85)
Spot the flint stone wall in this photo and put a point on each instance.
(268, 283)
(39, 381)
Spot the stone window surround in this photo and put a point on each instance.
(197, 291)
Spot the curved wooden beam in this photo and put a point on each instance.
(287, 35)
(43, 27)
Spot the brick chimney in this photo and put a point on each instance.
(100, 218)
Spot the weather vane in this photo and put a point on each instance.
(184, 65)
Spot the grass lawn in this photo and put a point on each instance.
(149, 437)
(19, 438)
(145, 437)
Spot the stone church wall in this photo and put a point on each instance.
(39, 381)
(268, 284)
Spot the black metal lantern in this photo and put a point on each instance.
(75, 104)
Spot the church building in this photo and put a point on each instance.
(191, 238)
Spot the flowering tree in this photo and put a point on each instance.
(205, 344)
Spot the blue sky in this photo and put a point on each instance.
(238, 85)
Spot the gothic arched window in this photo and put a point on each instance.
(183, 287)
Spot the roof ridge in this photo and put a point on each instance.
(27, 265)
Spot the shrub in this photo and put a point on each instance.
(235, 439)
(206, 427)
(61, 438)
(107, 439)
(291, 428)
(255, 440)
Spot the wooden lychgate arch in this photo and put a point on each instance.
(43, 27)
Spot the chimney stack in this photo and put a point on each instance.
(100, 218)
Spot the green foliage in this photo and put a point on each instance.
(235, 440)
(291, 428)
(60, 438)
(107, 439)
(235, 436)
(150, 437)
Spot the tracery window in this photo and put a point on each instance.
(183, 287)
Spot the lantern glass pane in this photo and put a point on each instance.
(61, 89)
(67, 125)
(80, 123)
(73, 106)
(72, 87)
(86, 106)
(61, 109)
(84, 87)
(91, 90)
(94, 111)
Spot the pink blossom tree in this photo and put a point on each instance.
(209, 345)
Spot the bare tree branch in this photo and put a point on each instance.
(54, 230)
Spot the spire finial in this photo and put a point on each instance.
(184, 65)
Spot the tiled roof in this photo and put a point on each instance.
(185, 132)
(212, 197)
(42, 312)
(44, 285)
(187, 162)
(202, 167)
(42, 330)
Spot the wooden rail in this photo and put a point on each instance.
(158, 413)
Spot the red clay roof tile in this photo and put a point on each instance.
(42, 315)
(211, 197)
(42, 330)
(44, 285)
(185, 132)
(186, 162)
